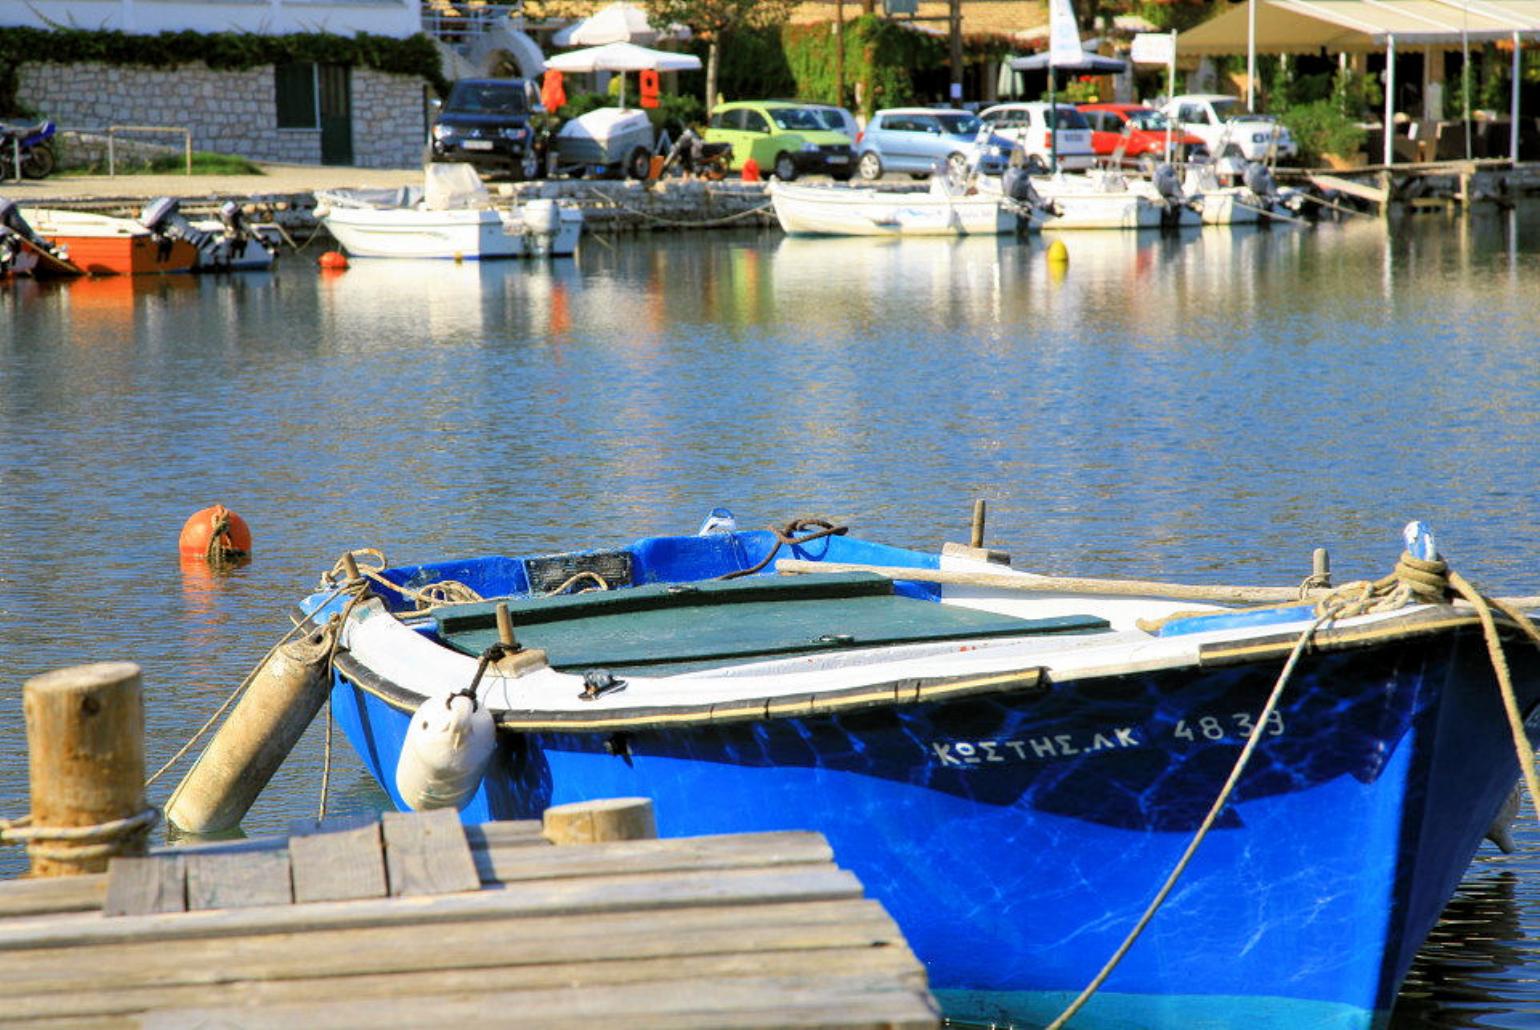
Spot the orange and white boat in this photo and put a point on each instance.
(104, 245)
(24, 252)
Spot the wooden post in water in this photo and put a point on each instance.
(976, 539)
(85, 745)
(588, 822)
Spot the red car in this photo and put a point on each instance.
(1140, 131)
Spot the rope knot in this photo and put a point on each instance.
(1426, 581)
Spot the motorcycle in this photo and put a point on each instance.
(31, 144)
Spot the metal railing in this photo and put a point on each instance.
(113, 130)
(460, 24)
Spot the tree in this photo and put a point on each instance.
(711, 19)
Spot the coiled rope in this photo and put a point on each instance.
(84, 843)
(1414, 581)
(444, 591)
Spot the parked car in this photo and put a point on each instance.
(1228, 129)
(917, 139)
(1141, 131)
(838, 119)
(485, 122)
(783, 137)
(1033, 127)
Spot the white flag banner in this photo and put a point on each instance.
(1063, 35)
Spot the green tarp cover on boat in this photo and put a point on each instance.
(667, 628)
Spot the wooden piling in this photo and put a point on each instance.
(589, 822)
(85, 738)
(976, 536)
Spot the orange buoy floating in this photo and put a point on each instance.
(215, 534)
(333, 259)
(750, 170)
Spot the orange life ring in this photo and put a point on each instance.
(649, 87)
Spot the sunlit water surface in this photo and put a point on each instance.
(1208, 407)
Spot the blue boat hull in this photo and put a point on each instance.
(1017, 838)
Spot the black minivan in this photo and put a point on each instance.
(486, 122)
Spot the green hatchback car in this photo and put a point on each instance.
(783, 137)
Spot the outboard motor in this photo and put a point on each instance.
(1169, 185)
(15, 225)
(163, 217)
(1260, 181)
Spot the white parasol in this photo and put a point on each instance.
(622, 57)
(617, 23)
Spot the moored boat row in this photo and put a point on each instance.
(1100, 199)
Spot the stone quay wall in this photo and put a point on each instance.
(228, 112)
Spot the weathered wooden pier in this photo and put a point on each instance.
(412, 920)
(1431, 185)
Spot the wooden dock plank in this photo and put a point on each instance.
(338, 863)
(859, 924)
(504, 864)
(241, 879)
(54, 894)
(426, 853)
(840, 954)
(139, 886)
(751, 930)
(836, 1000)
(576, 897)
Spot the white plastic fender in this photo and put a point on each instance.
(446, 751)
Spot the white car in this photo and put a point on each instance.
(1228, 129)
(1028, 126)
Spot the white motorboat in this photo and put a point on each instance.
(944, 210)
(451, 217)
(1102, 200)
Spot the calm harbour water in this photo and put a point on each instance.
(1206, 407)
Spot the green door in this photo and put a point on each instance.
(336, 114)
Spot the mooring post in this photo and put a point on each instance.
(85, 745)
(976, 539)
(588, 822)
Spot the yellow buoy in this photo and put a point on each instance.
(1058, 253)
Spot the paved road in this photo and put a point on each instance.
(275, 179)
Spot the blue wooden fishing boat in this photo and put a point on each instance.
(1283, 796)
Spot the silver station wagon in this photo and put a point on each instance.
(918, 139)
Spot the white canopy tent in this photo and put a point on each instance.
(622, 57)
(1362, 26)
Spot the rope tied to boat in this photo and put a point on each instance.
(787, 535)
(432, 595)
(1415, 580)
(79, 843)
(600, 583)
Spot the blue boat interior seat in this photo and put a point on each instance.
(668, 628)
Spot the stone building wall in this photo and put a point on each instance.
(230, 112)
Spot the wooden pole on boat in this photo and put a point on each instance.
(977, 539)
(85, 748)
(588, 822)
(1031, 583)
(1320, 567)
(505, 626)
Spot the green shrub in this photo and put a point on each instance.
(1320, 128)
